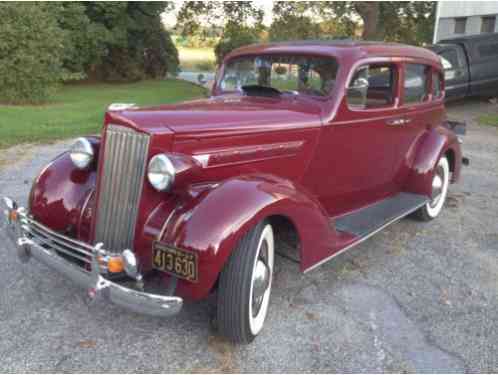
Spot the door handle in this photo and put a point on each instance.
(396, 122)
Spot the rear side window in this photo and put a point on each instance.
(437, 90)
(372, 86)
(416, 83)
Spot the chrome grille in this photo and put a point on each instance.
(121, 182)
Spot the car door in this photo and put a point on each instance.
(422, 110)
(485, 67)
(355, 154)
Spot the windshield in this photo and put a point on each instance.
(296, 74)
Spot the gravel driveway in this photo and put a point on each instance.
(414, 298)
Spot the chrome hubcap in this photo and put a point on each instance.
(260, 280)
(437, 187)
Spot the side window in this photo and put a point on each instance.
(437, 91)
(449, 59)
(416, 81)
(372, 86)
(453, 59)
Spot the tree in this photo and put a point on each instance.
(402, 21)
(369, 13)
(84, 40)
(409, 22)
(234, 37)
(241, 21)
(31, 53)
(136, 46)
(44, 44)
(291, 22)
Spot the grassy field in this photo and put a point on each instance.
(197, 59)
(79, 109)
(489, 119)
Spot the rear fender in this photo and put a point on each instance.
(432, 146)
(213, 222)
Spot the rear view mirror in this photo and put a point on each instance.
(359, 84)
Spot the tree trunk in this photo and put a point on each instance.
(369, 13)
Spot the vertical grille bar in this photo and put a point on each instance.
(121, 182)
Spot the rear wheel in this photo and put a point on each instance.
(440, 183)
(245, 285)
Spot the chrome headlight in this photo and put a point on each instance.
(130, 263)
(82, 153)
(161, 172)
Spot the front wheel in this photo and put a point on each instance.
(440, 183)
(245, 285)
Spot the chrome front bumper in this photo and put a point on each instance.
(20, 231)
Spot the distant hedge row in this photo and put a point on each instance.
(45, 44)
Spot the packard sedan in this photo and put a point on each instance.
(318, 145)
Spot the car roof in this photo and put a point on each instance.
(338, 48)
(470, 38)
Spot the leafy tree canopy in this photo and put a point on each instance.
(43, 44)
(241, 22)
(409, 22)
(134, 42)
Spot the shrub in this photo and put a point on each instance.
(31, 48)
(84, 39)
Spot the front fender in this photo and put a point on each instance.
(60, 194)
(213, 222)
(432, 146)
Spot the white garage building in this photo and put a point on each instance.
(457, 18)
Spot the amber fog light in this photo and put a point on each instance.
(161, 172)
(82, 153)
(115, 264)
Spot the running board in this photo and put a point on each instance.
(371, 219)
(367, 221)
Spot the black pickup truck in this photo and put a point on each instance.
(470, 65)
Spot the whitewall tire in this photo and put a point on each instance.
(440, 183)
(245, 285)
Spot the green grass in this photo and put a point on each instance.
(197, 59)
(489, 119)
(79, 109)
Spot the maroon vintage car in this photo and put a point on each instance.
(317, 144)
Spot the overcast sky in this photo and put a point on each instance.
(169, 18)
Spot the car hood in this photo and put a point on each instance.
(222, 114)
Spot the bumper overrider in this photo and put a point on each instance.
(33, 240)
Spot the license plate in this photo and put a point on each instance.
(180, 263)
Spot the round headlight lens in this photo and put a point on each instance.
(161, 172)
(130, 263)
(82, 153)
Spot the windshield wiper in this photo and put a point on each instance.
(259, 90)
